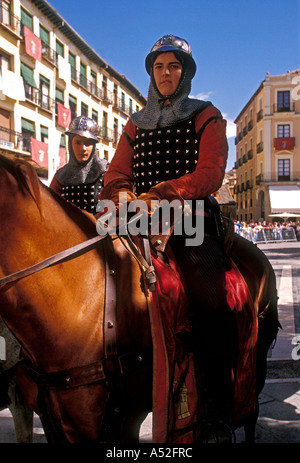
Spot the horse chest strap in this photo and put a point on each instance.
(110, 325)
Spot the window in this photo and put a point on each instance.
(44, 35)
(84, 109)
(59, 48)
(283, 131)
(44, 134)
(28, 131)
(130, 106)
(104, 125)
(44, 99)
(73, 106)
(26, 19)
(72, 62)
(95, 115)
(123, 101)
(283, 169)
(29, 82)
(59, 97)
(4, 61)
(5, 12)
(83, 81)
(283, 100)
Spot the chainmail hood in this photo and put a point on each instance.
(181, 107)
(76, 173)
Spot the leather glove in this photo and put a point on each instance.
(159, 192)
(112, 189)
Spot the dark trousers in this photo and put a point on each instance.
(214, 325)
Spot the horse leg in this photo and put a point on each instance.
(250, 425)
(22, 415)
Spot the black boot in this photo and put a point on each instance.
(216, 422)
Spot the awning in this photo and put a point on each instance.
(285, 199)
(27, 74)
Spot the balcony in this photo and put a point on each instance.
(49, 54)
(121, 106)
(259, 115)
(259, 179)
(284, 143)
(10, 21)
(250, 125)
(16, 141)
(284, 108)
(250, 154)
(37, 97)
(259, 147)
(245, 158)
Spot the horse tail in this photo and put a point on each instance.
(27, 178)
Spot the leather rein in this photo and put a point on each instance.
(112, 364)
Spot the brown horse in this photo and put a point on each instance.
(57, 315)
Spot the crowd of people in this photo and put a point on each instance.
(268, 231)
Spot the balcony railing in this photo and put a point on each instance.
(9, 20)
(284, 143)
(259, 115)
(39, 98)
(121, 106)
(250, 125)
(259, 147)
(284, 108)
(10, 139)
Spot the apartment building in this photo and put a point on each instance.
(48, 75)
(268, 150)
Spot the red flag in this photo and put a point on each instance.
(33, 44)
(39, 152)
(63, 116)
(62, 157)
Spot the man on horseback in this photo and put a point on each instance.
(80, 180)
(176, 148)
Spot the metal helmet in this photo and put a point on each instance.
(84, 126)
(171, 43)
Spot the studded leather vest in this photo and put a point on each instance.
(84, 196)
(164, 154)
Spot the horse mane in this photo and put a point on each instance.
(26, 177)
(28, 181)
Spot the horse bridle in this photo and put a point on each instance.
(113, 362)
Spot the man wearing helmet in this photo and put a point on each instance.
(176, 148)
(80, 180)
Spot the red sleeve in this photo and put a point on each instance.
(121, 163)
(55, 185)
(213, 151)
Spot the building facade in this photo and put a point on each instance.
(268, 151)
(48, 75)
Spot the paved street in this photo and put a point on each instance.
(280, 399)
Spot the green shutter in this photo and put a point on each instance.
(44, 131)
(27, 74)
(72, 60)
(59, 95)
(59, 48)
(26, 19)
(44, 35)
(27, 125)
(45, 81)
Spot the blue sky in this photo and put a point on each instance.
(234, 43)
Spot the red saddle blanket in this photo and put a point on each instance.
(175, 397)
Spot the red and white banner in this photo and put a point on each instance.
(62, 153)
(39, 152)
(63, 116)
(33, 44)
